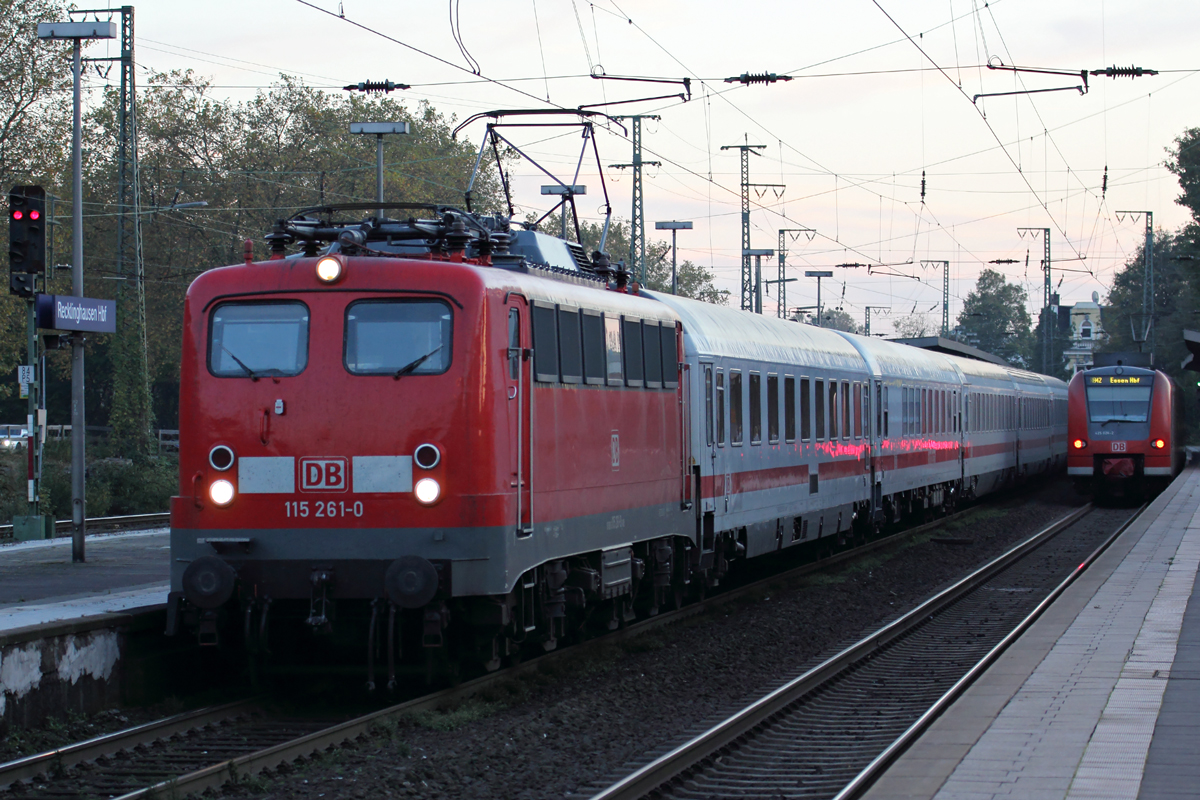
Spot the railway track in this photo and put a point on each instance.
(829, 732)
(96, 524)
(203, 749)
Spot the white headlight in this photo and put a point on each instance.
(329, 269)
(221, 492)
(427, 491)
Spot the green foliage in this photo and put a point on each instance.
(914, 326)
(1184, 161)
(838, 320)
(995, 319)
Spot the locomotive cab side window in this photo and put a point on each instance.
(252, 340)
(400, 337)
(514, 343)
(593, 347)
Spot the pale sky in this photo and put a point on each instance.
(849, 137)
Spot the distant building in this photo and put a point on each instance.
(1086, 333)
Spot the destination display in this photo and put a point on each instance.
(62, 312)
(1120, 380)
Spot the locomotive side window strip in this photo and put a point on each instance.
(545, 342)
(805, 409)
(789, 408)
(632, 340)
(735, 407)
(755, 408)
(570, 346)
(249, 340)
(398, 337)
(593, 348)
(612, 347)
(653, 355)
(670, 355)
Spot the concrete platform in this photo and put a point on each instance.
(1100, 698)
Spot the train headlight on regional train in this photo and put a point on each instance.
(1158, 444)
(221, 492)
(1079, 444)
(427, 491)
(329, 269)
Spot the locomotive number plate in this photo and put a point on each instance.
(1118, 447)
(323, 508)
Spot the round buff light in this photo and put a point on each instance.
(329, 269)
(1079, 444)
(427, 491)
(1158, 444)
(221, 492)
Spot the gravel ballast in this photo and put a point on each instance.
(582, 721)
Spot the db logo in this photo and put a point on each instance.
(323, 474)
(1118, 447)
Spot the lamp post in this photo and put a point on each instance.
(673, 227)
(77, 32)
(818, 274)
(379, 130)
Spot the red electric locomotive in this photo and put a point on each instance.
(1124, 428)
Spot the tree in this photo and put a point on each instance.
(1184, 162)
(838, 320)
(995, 318)
(914, 326)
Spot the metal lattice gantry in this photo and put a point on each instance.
(748, 283)
(637, 222)
(781, 257)
(1048, 324)
(1147, 276)
(945, 265)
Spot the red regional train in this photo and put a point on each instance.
(443, 438)
(1125, 431)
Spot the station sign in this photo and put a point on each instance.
(63, 312)
(1120, 380)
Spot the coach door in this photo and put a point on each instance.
(520, 411)
(875, 423)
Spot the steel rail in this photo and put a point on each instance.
(217, 774)
(109, 743)
(650, 777)
(104, 522)
(881, 762)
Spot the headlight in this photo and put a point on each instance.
(427, 491)
(1079, 444)
(221, 492)
(329, 269)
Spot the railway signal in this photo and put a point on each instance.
(26, 238)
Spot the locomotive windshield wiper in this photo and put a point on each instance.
(412, 365)
(240, 363)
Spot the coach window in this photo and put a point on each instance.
(593, 347)
(755, 408)
(708, 405)
(805, 409)
(833, 410)
(632, 341)
(545, 343)
(670, 355)
(845, 409)
(789, 408)
(252, 340)
(773, 409)
(858, 411)
(612, 349)
(402, 337)
(735, 407)
(653, 351)
(720, 408)
(570, 346)
(884, 392)
(942, 421)
(819, 407)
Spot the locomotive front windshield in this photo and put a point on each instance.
(1118, 403)
(398, 337)
(258, 339)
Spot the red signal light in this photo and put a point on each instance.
(1079, 444)
(35, 214)
(18, 214)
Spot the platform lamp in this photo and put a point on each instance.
(673, 227)
(77, 32)
(818, 274)
(757, 254)
(379, 130)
